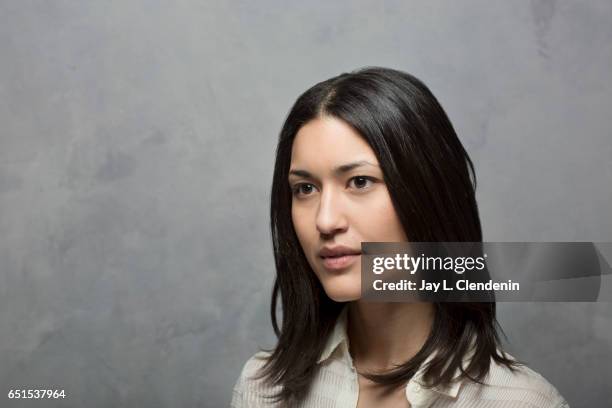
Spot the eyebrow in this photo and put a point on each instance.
(344, 168)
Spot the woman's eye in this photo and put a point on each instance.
(361, 182)
(303, 189)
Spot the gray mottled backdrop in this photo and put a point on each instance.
(136, 152)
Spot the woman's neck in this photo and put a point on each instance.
(382, 335)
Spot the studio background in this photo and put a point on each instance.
(136, 155)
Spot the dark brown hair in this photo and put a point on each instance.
(431, 182)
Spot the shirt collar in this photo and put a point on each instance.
(339, 337)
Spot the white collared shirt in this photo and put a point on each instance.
(336, 384)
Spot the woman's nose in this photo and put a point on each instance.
(331, 215)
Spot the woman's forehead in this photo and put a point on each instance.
(329, 142)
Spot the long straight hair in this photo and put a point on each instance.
(431, 182)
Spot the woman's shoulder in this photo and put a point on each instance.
(254, 364)
(521, 384)
(250, 388)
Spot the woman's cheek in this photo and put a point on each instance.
(384, 224)
(301, 225)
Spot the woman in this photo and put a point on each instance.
(371, 156)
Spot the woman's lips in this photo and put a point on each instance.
(340, 262)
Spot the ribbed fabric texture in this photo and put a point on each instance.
(336, 385)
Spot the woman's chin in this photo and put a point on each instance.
(343, 293)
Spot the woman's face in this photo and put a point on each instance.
(339, 200)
